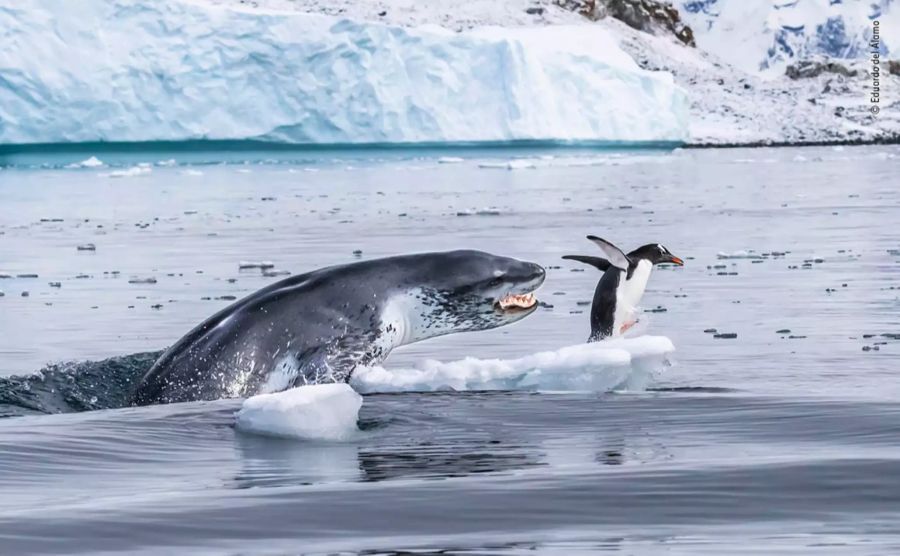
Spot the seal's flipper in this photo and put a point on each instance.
(615, 255)
(597, 262)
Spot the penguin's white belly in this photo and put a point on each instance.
(629, 294)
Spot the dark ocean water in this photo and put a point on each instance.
(772, 442)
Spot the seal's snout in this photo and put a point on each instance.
(531, 274)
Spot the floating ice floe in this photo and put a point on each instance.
(621, 363)
(314, 412)
(449, 160)
(739, 255)
(487, 211)
(262, 265)
(92, 162)
(516, 164)
(574, 161)
(142, 169)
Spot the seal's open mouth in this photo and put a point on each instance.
(515, 302)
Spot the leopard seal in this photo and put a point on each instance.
(319, 326)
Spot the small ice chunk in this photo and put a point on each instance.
(317, 411)
(449, 160)
(739, 255)
(263, 265)
(92, 162)
(487, 211)
(514, 164)
(134, 171)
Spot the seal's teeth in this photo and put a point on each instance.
(523, 301)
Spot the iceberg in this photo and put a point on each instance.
(175, 70)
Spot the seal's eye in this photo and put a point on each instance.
(496, 282)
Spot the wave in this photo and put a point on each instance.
(75, 386)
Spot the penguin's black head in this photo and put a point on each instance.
(656, 254)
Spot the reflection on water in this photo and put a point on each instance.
(273, 462)
(444, 449)
(456, 459)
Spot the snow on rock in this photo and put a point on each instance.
(319, 411)
(174, 70)
(597, 367)
(730, 106)
(766, 36)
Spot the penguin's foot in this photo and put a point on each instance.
(627, 326)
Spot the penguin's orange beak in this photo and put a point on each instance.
(675, 260)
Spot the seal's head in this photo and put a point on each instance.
(461, 291)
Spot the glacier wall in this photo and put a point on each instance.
(170, 70)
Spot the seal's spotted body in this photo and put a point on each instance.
(318, 327)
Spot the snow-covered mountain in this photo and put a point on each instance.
(133, 70)
(766, 35)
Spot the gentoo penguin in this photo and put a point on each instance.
(622, 285)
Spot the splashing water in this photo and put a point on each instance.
(615, 364)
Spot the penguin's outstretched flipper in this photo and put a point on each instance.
(599, 263)
(615, 255)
